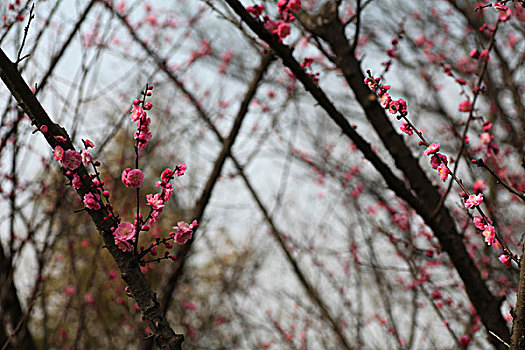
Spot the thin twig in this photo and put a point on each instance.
(26, 30)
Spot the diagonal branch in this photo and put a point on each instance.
(202, 203)
(329, 27)
(126, 261)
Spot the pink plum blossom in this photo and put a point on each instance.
(393, 107)
(155, 201)
(86, 157)
(479, 222)
(256, 10)
(71, 159)
(465, 106)
(283, 30)
(405, 127)
(272, 26)
(143, 136)
(484, 55)
(401, 106)
(479, 186)
(168, 192)
(385, 100)
(486, 138)
(125, 230)
(123, 245)
(136, 113)
(58, 154)
(504, 259)
(124, 233)
(474, 200)
(398, 105)
(124, 176)
(76, 182)
(92, 202)
(184, 231)
(371, 82)
(132, 178)
(154, 217)
(443, 172)
(489, 234)
(88, 144)
(433, 148)
(435, 160)
(294, 5)
(166, 174)
(180, 169)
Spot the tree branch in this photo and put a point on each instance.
(329, 27)
(126, 261)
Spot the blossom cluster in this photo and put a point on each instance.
(398, 107)
(183, 231)
(92, 201)
(126, 234)
(139, 115)
(393, 106)
(487, 229)
(484, 224)
(504, 11)
(439, 161)
(70, 158)
(13, 14)
(157, 201)
(280, 27)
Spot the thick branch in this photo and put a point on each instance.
(126, 262)
(330, 28)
